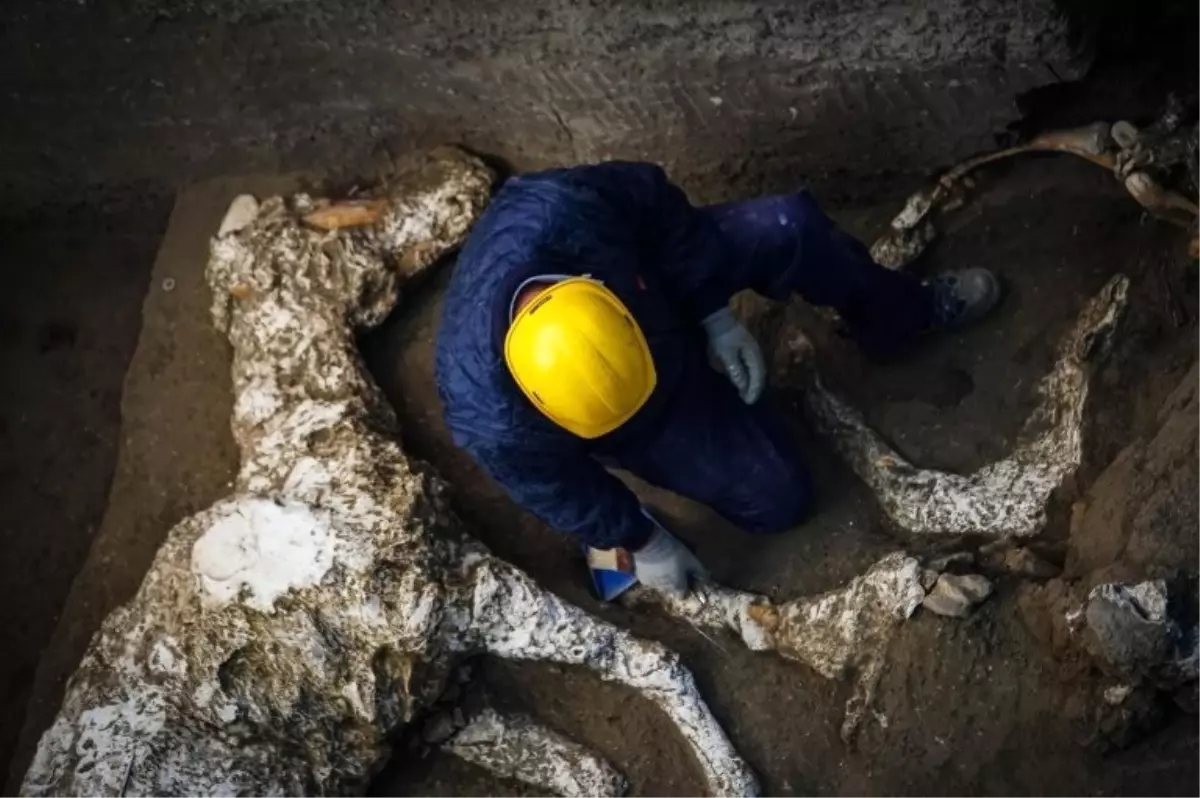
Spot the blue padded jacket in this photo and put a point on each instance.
(626, 225)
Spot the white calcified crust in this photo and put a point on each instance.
(846, 628)
(514, 618)
(518, 747)
(1006, 499)
(281, 634)
(828, 632)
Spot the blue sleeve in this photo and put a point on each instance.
(570, 492)
(682, 244)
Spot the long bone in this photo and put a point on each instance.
(1117, 148)
(1002, 500)
(833, 633)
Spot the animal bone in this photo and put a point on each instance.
(283, 633)
(1164, 204)
(912, 230)
(831, 633)
(1007, 498)
(1120, 148)
(351, 213)
(1165, 146)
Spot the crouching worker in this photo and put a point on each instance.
(577, 326)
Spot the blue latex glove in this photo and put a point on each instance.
(738, 352)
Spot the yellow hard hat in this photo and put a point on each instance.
(579, 356)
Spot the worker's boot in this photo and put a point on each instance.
(963, 297)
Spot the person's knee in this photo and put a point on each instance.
(785, 501)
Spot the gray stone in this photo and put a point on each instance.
(1117, 693)
(955, 595)
(1130, 623)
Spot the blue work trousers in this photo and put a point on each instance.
(740, 459)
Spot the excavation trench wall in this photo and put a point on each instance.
(771, 92)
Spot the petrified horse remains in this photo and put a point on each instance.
(282, 634)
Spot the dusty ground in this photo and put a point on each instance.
(975, 706)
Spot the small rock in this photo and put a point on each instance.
(242, 211)
(1130, 624)
(955, 594)
(168, 285)
(1139, 714)
(1117, 693)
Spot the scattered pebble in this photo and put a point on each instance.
(955, 595)
(1142, 629)
(1117, 694)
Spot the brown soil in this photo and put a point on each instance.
(977, 706)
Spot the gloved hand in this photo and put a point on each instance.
(665, 564)
(738, 352)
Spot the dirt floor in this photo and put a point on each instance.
(981, 705)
